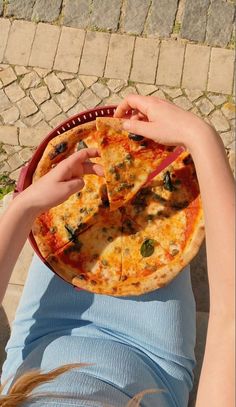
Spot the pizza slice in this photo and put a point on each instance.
(174, 189)
(93, 260)
(128, 160)
(61, 224)
(63, 145)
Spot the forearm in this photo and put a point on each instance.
(217, 187)
(15, 227)
(218, 197)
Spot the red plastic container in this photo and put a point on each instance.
(26, 174)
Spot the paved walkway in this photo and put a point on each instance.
(96, 55)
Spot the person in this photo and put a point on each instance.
(103, 350)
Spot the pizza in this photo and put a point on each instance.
(128, 160)
(98, 242)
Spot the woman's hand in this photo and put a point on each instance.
(161, 121)
(61, 182)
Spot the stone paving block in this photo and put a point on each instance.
(76, 13)
(113, 100)
(105, 14)
(4, 167)
(172, 92)
(4, 101)
(4, 30)
(7, 76)
(66, 100)
(170, 63)
(193, 94)
(144, 89)
(50, 109)
(94, 53)
(11, 149)
(101, 90)
(20, 70)
(89, 99)
(75, 87)
(219, 121)
(31, 137)
(115, 85)
(8, 135)
(25, 154)
(27, 106)
(65, 75)
(15, 162)
(88, 80)
(221, 71)
(145, 57)
(58, 119)
(19, 42)
(135, 15)
(30, 80)
(205, 106)
(196, 67)
(69, 50)
(119, 56)
(42, 72)
(183, 102)
(43, 56)
(54, 84)
(20, 8)
(217, 99)
(14, 92)
(160, 21)
(130, 90)
(76, 109)
(195, 19)
(11, 115)
(219, 25)
(229, 110)
(44, 127)
(40, 94)
(34, 119)
(228, 137)
(46, 12)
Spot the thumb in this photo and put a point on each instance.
(141, 128)
(74, 185)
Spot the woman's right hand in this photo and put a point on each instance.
(161, 121)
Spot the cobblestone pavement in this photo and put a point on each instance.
(35, 100)
(196, 20)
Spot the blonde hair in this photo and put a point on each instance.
(21, 390)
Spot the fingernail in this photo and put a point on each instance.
(126, 125)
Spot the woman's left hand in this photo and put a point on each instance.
(61, 182)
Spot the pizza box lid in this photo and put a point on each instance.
(26, 174)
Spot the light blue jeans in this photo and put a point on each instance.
(135, 343)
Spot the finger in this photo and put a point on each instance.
(71, 166)
(141, 103)
(92, 168)
(142, 128)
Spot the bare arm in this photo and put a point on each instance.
(50, 190)
(168, 124)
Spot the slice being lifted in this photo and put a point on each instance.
(128, 160)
